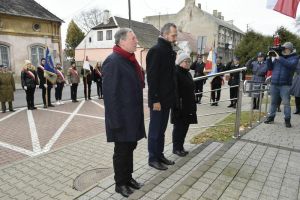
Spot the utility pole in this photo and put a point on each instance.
(129, 12)
(247, 28)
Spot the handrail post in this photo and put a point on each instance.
(238, 108)
(267, 99)
(260, 101)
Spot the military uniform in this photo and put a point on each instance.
(7, 88)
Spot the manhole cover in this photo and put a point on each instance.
(91, 177)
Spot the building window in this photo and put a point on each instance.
(90, 39)
(109, 35)
(100, 35)
(37, 53)
(4, 55)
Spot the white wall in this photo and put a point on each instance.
(95, 43)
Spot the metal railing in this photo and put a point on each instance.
(242, 89)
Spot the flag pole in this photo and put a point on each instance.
(46, 96)
(84, 75)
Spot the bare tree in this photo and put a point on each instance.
(89, 19)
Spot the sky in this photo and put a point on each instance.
(242, 12)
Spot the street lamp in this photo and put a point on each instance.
(129, 12)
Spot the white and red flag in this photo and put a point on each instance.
(286, 7)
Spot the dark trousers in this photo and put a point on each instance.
(234, 94)
(58, 91)
(156, 137)
(180, 130)
(199, 89)
(87, 90)
(10, 106)
(48, 94)
(74, 87)
(297, 102)
(30, 97)
(123, 162)
(99, 89)
(217, 88)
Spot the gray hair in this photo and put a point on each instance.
(166, 28)
(121, 34)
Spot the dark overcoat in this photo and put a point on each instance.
(123, 100)
(186, 109)
(161, 74)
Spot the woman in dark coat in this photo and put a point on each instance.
(184, 113)
(98, 79)
(295, 89)
(29, 82)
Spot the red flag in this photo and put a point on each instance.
(286, 7)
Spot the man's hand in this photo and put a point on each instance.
(45, 85)
(25, 87)
(157, 107)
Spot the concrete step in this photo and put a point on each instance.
(157, 183)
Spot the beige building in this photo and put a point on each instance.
(193, 19)
(25, 29)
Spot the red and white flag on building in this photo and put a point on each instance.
(286, 7)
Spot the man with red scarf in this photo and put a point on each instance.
(123, 84)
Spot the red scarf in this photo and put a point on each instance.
(131, 58)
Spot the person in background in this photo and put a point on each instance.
(233, 82)
(60, 83)
(283, 68)
(44, 84)
(7, 88)
(216, 83)
(295, 89)
(198, 66)
(98, 79)
(259, 70)
(29, 81)
(74, 80)
(87, 82)
(184, 113)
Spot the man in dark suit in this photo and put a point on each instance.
(123, 85)
(161, 82)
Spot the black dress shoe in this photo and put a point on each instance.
(90, 98)
(164, 160)
(134, 184)
(124, 190)
(50, 105)
(297, 112)
(12, 110)
(34, 108)
(230, 105)
(158, 165)
(3, 111)
(180, 153)
(269, 120)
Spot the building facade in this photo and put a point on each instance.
(99, 41)
(26, 29)
(222, 35)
